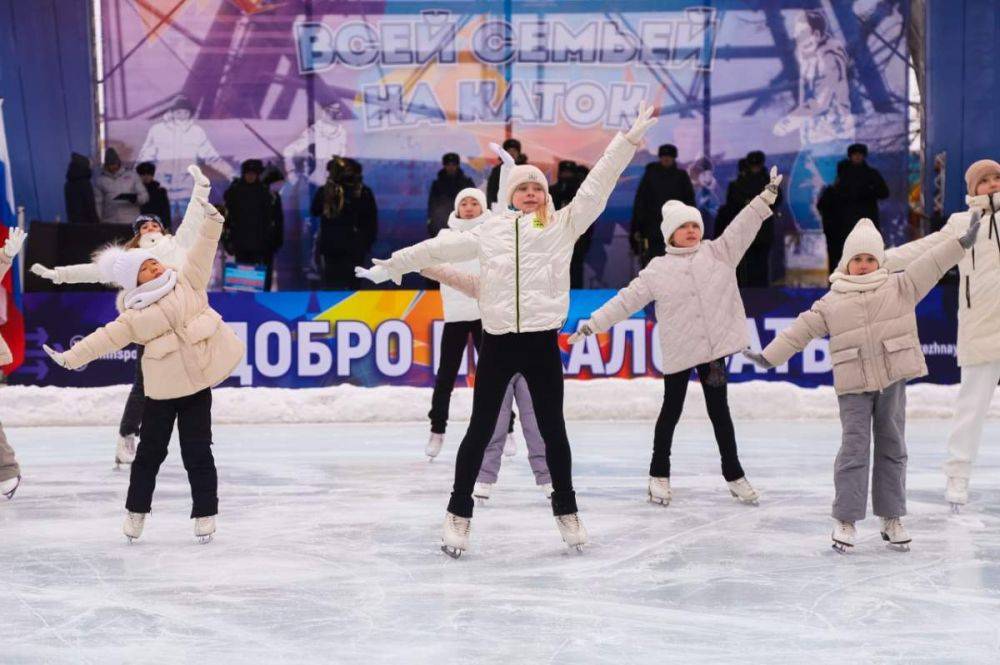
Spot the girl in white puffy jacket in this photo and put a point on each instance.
(461, 317)
(169, 249)
(701, 322)
(524, 257)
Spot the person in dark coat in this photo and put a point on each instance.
(754, 269)
(513, 148)
(158, 203)
(571, 175)
(274, 180)
(663, 181)
(348, 228)
(81, 208)
(441, 201)
(249, 224)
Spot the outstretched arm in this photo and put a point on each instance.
(444, 248)
(106, 339)
(457, 279)
(898, 258)
(926, 271)
(631, 299)
(807, 326)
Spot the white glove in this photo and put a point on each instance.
(376, 274)
(211, 212)
(57, 356)
(506, 164)
(770, 193)
(969, 239)
(757, 359)
(586, 329)
(643, 121)
(15, 240)
(383, 264)
(199, 178)
(45, 273)
(504, 156)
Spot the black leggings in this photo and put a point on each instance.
(535, 355)
(454, 342)
(194, 427)
(132, 416)
(713, 383)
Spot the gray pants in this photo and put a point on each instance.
(490, 469)
(8, 465)
(885, 414)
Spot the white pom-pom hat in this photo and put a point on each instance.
(121, 266)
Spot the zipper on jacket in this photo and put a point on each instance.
(968, 294)
(973, 257)
(517, 273)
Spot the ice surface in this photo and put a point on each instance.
(327, 552)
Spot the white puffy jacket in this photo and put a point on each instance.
(698, 304)
(457, 305)
(168, 249)
(524, 266)
(979, 271)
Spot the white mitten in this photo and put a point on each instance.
(383, 264)
(376, 274)
(757, 359)
(643, 121)
(586, 329)
(57, 356)
(770, 193)
(45, 273)
(15, 241)
(199, 178)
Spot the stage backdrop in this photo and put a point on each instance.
(370, 338)
(395, 84)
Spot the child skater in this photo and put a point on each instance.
(701, 322)
(524, 256)
(150, 235)
(517, 390)
(189, 349)
(10, 472)
(870, 317)
(978, 320)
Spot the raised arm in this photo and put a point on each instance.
(898, 258)
(740, 233)
(194, 214)
(925, 272)
(506, 164)
(198, 262)
(462, 281)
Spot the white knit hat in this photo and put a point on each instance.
(121, 266)
(471, 192)
(864, 238)
(676, 214)
(521, 174)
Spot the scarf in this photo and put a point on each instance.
(146, 294)
(843, 283)
(671, 249)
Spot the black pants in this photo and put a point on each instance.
(454, 342)
(536, 357)
(194, 425)
(713, 383)
(132, 416)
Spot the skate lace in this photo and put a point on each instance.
(571, 521)
(459, 525)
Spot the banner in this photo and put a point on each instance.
(371, 338)
(397, 84)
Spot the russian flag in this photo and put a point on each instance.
(11, 320)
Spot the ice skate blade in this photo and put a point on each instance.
(430, 458)
(657, 501)
(204, 540)
(130, 540)
(10, 495)
(453, 552)
(956, 508)
(745, 502)
(896, 547)
(842, 548)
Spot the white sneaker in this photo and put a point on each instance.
(894, 533)
(204, 528)
(547, 488)
(455, 538)
(957, 492)
(434, 445)
(510, 445)
(659, 491)
(572, 531)
(125, 451)
(134, 522)
(843, 536)
(8, 487)
(743, 490)
(481, 492)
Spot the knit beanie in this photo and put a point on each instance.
(864, 238)
(521, 174)
(676, 214)
(121, 266)
(978, 171)
(474, 193)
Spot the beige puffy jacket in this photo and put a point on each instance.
(6, 357)
(873, 334)
(698, 305)
(524, 266)
(979, 271)
(188, 346)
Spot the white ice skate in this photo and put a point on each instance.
(434, 446)
(659, 491)
(572, 531)
(8, 487)
(547, 488)
(455, 539)
(894, 533)
(134, 522)
(481, 492)
(510, 445)
(125, 451)
(957, 492)
(843, 536)
(204, 529)
(742, 489)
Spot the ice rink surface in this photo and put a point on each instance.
(327, 552)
